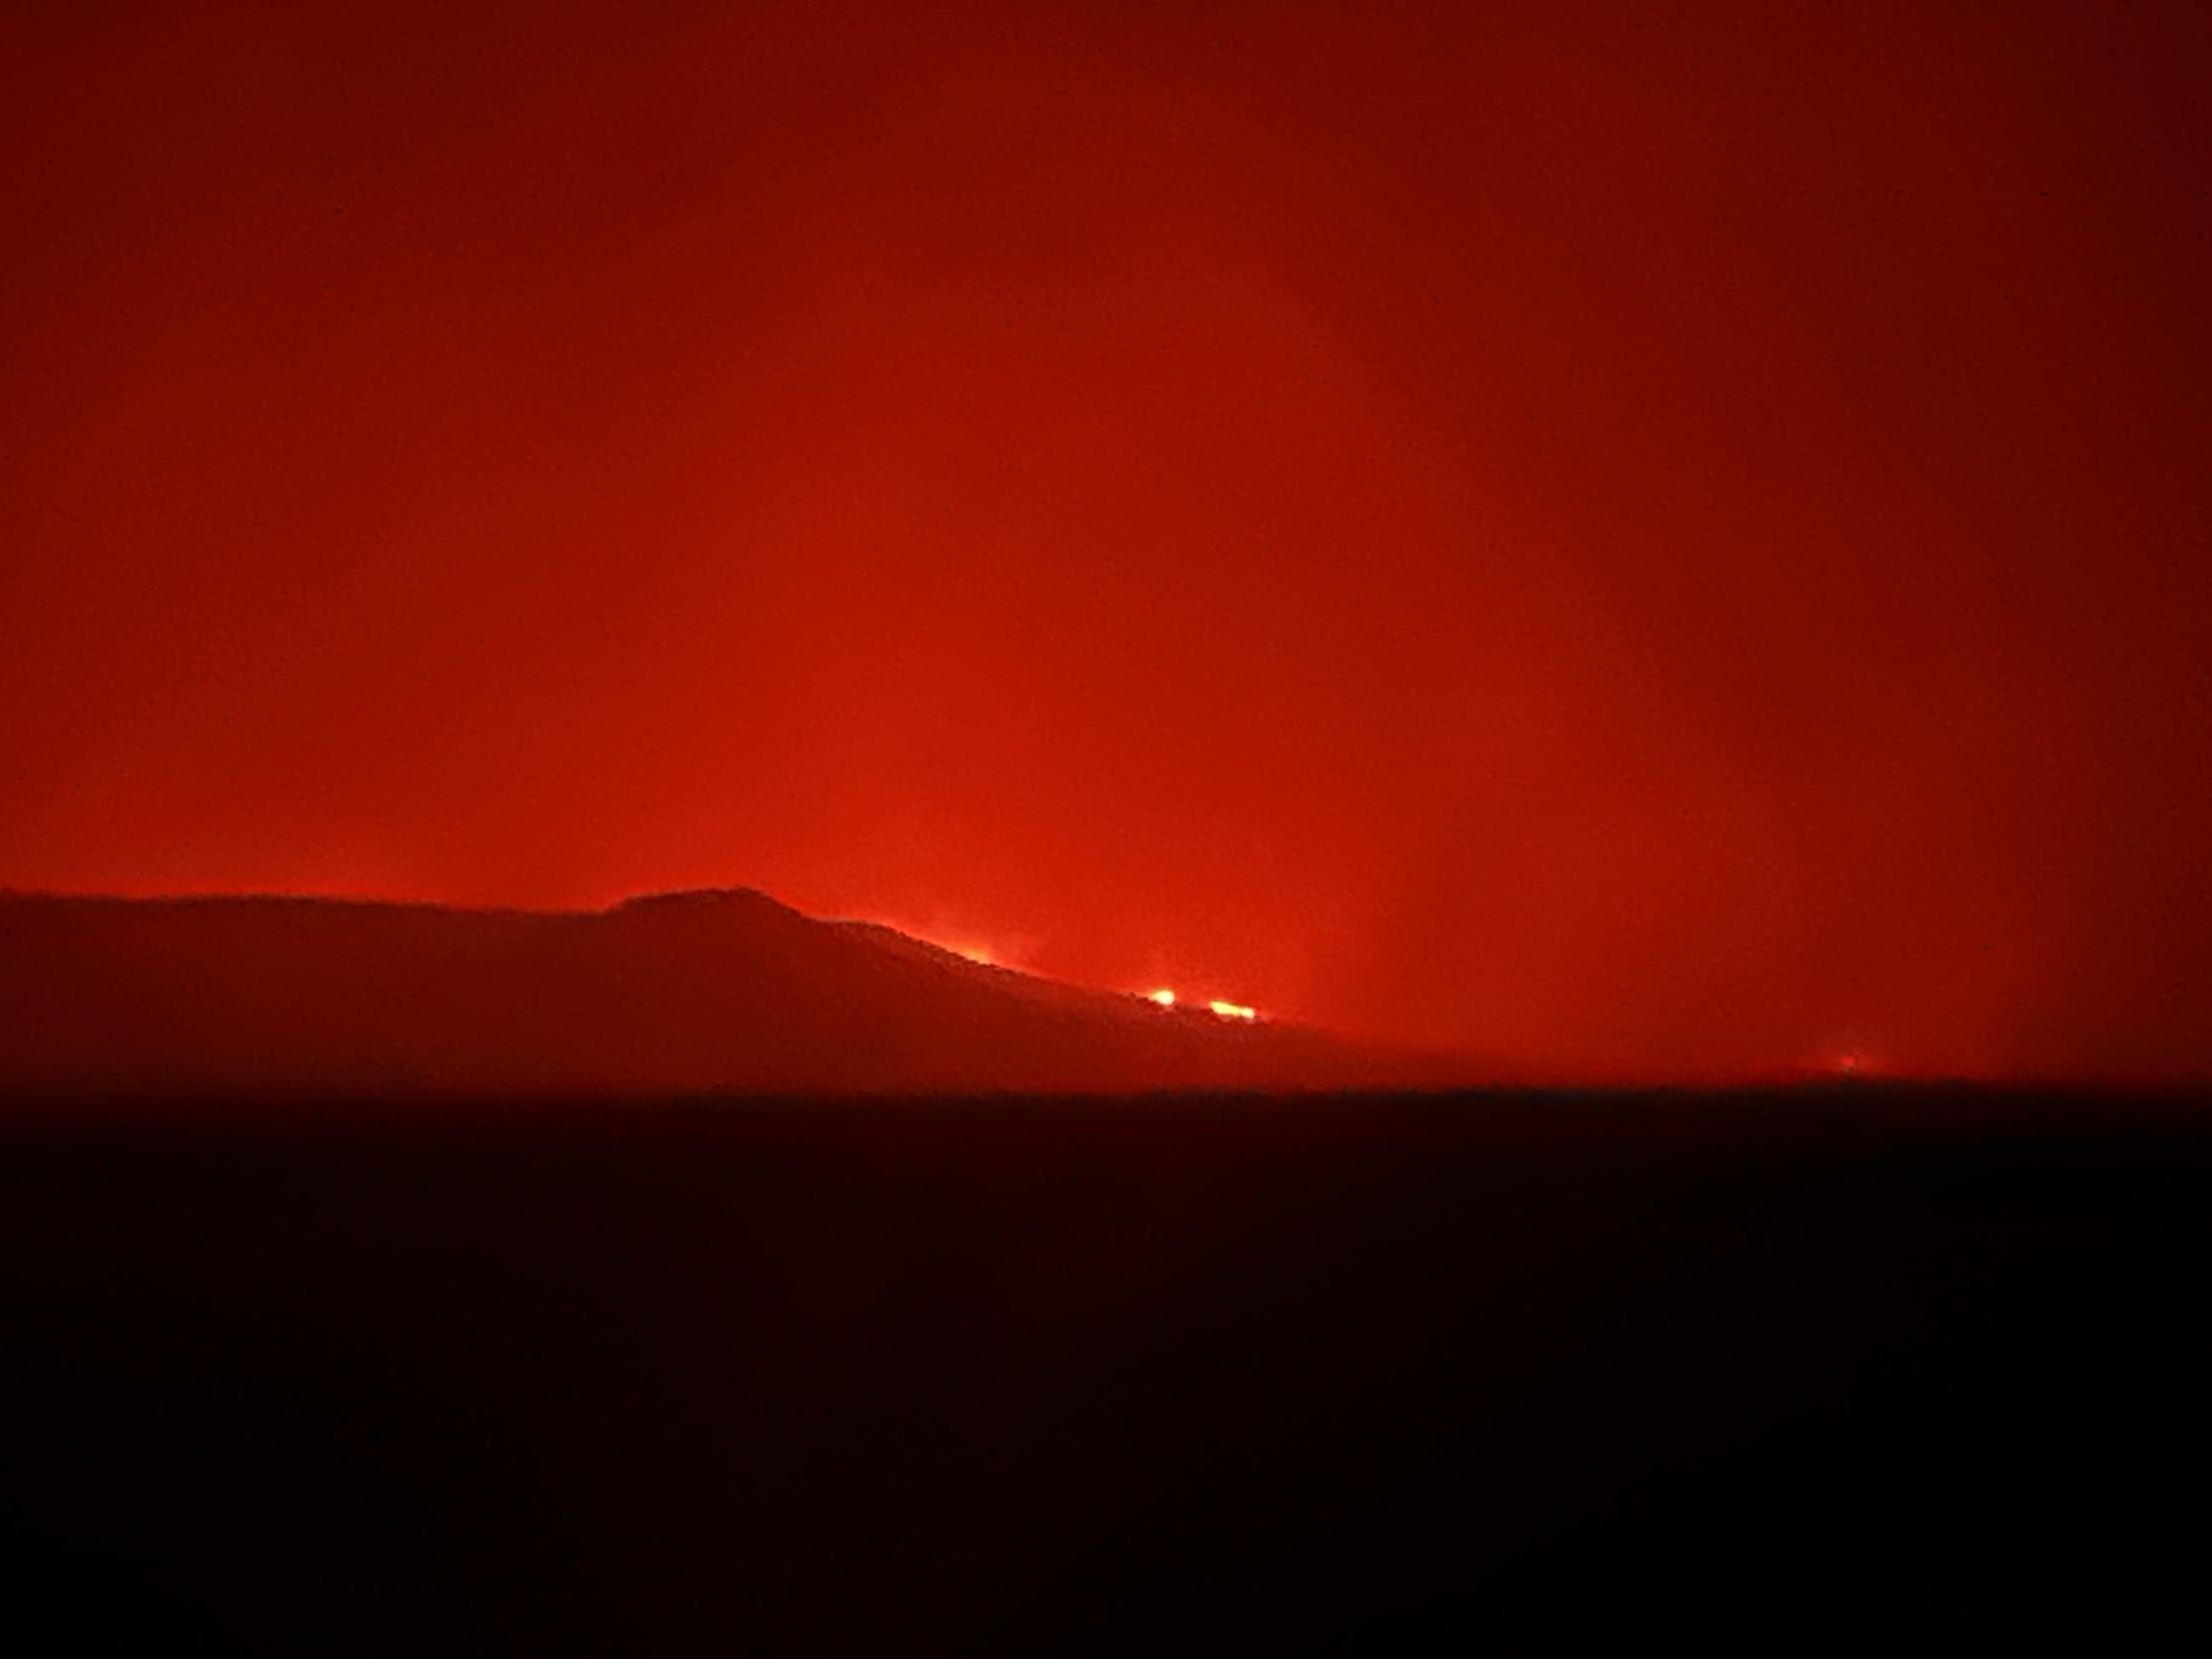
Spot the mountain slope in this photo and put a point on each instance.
(693, 991)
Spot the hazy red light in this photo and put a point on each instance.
(1623, 544)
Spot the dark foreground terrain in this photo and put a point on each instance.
(1072, 1373)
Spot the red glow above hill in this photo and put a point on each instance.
(1662, 543)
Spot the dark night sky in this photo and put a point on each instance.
(1634, 540)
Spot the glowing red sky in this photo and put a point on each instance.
(1628, 538)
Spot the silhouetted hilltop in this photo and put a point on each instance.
(718, 989)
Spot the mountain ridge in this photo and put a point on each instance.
(706, 989)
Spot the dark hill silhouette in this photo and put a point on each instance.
(1031, 1373)
(714, 990)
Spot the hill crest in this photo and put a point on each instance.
(709, 989)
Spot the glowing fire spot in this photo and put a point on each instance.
(1233, 1011)
(975, 953)
(1165, 999)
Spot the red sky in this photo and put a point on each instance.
(1635, 540)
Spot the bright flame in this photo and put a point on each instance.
(1233, 1011)
(1165, 999)
(975, 953)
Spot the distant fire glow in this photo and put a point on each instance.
(967, 949)
(1166, 999)
(1620, 553)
